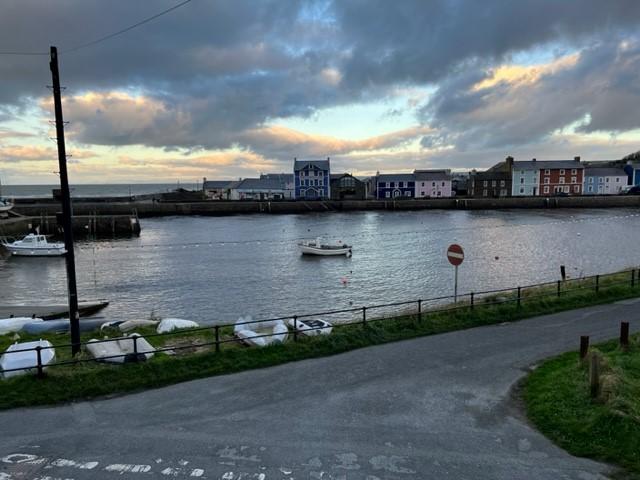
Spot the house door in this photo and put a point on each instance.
(535, 191)
(397, 193)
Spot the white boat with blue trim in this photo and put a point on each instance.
(35, 246)
(316, 247)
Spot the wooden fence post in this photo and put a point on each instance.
(594, 375)
(584, 346)
(624, 335)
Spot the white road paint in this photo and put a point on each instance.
(63, 462)
(123, 468)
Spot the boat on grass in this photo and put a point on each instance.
(35, 246)
(316, 247)
(260, 334)
(23, 362)
(310, 327)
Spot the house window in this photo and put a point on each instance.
(607, 179)
(433, 184)
(439, 193)
(407, 193)
(546, 180)
(561, 180)
(387, 194)
(485, 184)
(521, 180)
(562, 171)
(600, 179)
(423, 184)
(493, 183)
(521, 172)
(303, 192)
(590, 179)
(422, 193)
(576, 188)
(388, 185)
(574, 171)
(484, 192)
(566, 189)
(574, 180)
(546, 189)
(617, 179)
(503, 193)
(521, 190)
(547, 172)
(502, 184)
(400, 184)
(443, 184)
(591, 188)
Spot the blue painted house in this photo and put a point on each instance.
(395, 185)
(633, 172)
(312, 179)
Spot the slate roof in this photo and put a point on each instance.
(396, 177)
(604, 172)
(546, 164)
(260, 184)
(282, 177)
(216, 184)
(432, 175)
(300, 164)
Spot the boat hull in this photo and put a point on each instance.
(36, 252)
(324, 252)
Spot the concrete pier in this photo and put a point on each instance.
(154, 208)
(84, 226)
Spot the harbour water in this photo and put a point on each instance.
(215, 269)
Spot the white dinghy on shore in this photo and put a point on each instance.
(122, 350)
(27, 361)
(260, 334)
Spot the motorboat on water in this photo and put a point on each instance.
(5, 205)
(316, 247)
(35, 246)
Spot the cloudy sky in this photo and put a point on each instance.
(230, 88)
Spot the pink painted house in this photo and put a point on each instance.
(432, 183)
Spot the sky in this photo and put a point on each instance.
(230, 89)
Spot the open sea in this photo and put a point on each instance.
(107, 190)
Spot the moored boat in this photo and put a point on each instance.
(316, 247)
(35, 246)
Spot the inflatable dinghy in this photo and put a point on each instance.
(27, 361)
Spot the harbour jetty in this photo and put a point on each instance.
(123, 210)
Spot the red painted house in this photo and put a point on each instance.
(561, 177)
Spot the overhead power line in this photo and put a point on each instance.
(101, 39)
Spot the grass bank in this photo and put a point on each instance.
(85, 380)
(607, 428)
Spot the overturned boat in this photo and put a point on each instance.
(22, 358)
(260, 334)
(311, 327)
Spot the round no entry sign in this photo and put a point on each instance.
(455, 254)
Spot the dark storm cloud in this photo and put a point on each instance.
(599, 91)
(211, 71)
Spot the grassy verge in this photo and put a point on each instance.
(606, 428)
(91, 379)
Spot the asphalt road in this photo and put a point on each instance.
(437, 407)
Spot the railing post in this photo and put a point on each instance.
(472, 295)
(559, 288)
(633, 277)
(519, 296)
(295, 328)
(39, 356)
(364, 316)
(420, 309)
(217, 338)
(597, 283)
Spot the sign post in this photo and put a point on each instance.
(455, 255)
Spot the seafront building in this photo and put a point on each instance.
(492, 183)
(312, 179)
(432, 183)
(395, 185)
(604, 180)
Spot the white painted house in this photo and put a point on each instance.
(604, 180)
(432, 183)
(525, 179)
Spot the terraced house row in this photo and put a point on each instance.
(313, 180)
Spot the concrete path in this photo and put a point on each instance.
(436, 407)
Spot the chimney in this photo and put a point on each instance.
(577, 159)
(509, 161)
(533, 159)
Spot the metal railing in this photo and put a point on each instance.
(359, 316)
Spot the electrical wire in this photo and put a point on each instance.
(101, 39)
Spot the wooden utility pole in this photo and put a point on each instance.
(74, 316)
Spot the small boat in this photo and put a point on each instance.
(35, 246)
(5, 206)
(51, 311)
(16, 324)
(316, 247)
(61, 326)
(260, 334)
(23, 362)
(310, 327)
(121, 350)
